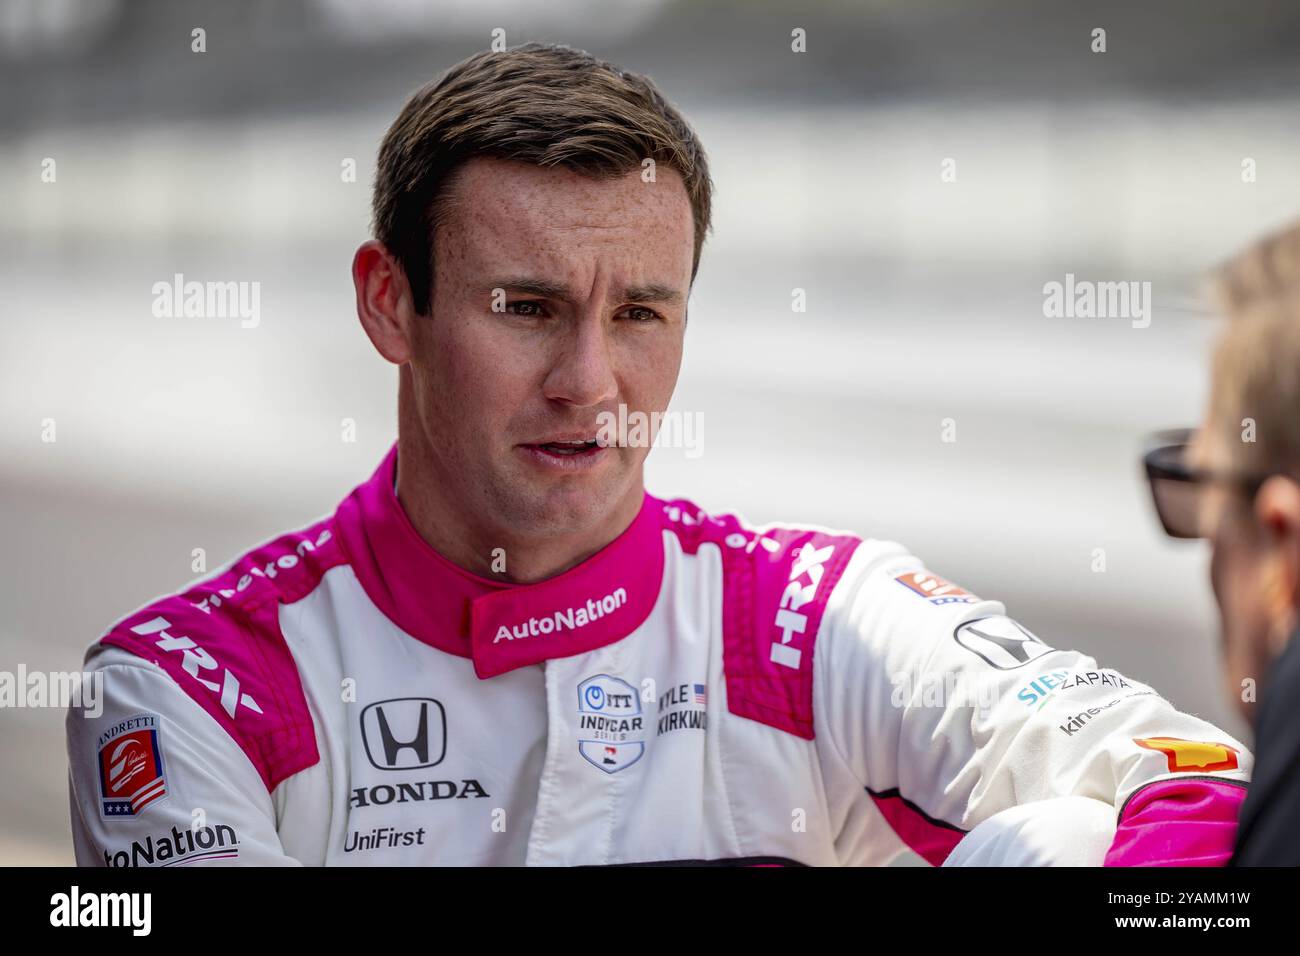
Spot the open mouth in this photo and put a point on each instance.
(568, 454)
(568, 448)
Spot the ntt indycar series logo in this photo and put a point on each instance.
(566, 620)
(611, 727)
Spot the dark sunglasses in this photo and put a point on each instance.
(1176, 487)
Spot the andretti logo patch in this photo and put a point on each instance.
(131, 775)
(935, 589)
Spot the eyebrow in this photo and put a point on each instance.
(528, 285)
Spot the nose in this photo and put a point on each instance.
(583, 375)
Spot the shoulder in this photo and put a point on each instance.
(219, 641)
(777, 582)
(800, 597)
(1270, 816)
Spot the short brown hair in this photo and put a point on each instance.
(543, 104)
(1257, 362)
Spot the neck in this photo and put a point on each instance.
(473, 544)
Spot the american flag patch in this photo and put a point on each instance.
(701, 696)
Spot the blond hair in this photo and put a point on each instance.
(1256, 376)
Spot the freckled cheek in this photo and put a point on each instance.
(473, 377)
(492, 383)
(649, 374)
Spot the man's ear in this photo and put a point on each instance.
(384, 303)
(1277, 508)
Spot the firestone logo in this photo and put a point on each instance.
(282, 562)
(809, 561)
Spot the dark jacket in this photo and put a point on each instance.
(1269, 832)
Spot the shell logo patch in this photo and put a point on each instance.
(1191, 755)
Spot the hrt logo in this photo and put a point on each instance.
(808, 562)
(194, 659)
(405, 733)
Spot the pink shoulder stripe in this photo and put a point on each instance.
(775, 587)
(221, 642)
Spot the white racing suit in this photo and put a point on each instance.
(697, 692)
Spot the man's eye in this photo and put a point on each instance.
(525, 308)
(639, 313)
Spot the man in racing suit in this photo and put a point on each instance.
(698, 690)
(501, 650)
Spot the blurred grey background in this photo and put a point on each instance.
(925, 298)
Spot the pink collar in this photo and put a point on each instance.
(500, 626)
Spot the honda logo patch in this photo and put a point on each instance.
(405, 733)
(1000, 642)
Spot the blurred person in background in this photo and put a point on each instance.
(501, 650)
(1236, 483)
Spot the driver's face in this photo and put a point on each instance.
(1236, 569)
(556, 297)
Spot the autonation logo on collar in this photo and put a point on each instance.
(566, 620)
